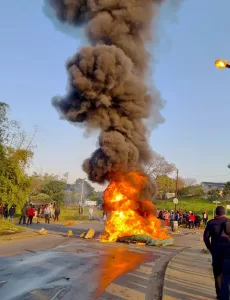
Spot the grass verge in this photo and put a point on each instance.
(195, 204)
(7, 228)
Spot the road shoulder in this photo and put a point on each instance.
(189, 276)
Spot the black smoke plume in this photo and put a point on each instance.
(106, 81)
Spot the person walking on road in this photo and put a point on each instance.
(23, 215)
(31, 214)
(219, 246)
(56, 213)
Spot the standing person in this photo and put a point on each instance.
(219, 246)
(31, 214)
(160, 216)
(177, 217)
(47, 214)
(80, 212)
(1, 211)
(104, 216)
(197, 221)
(90, 213)
(12, 213)
(36, 215)
(172, 216)
(57, 213)
(205, 218)
(51, 207)
(42, 211)
(180, 218)
(191, 221)
(6, 212)
(166, 217)
(39, 211)
(23, 215)
(185, 217)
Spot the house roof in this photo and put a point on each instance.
(214, 183)
(38, 203)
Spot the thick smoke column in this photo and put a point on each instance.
(106, 81)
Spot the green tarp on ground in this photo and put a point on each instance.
(147, 240)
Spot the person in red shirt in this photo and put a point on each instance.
(30, 213)
(191, 221)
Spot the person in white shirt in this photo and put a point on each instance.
(47, 214)
(90, 213)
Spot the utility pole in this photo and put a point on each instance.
(177, 174)
(82, 190)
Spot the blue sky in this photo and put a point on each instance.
(195, 134)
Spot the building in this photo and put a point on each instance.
(210, 186)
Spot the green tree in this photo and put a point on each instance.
(165, 184)
(226, 191)
(214, 195)
(47, 187)
(14, 182)
(94, 196)
(15, 157)
(71, 198)
(193, 190)
(55, 189)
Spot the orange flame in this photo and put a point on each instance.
(130, 215)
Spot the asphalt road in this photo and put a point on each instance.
(57, 267)
(98, 226)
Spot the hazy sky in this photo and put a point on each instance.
(195, 135)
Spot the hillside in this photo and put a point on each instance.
(195, 204)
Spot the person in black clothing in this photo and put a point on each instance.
(6, 212)
(12, 213)
(23, 215)
(56, 213)
(161, 215)
(219, 246)
(197, 221)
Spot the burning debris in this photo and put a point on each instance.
(131, 215)
(107, 91)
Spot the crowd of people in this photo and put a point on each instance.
(7, 212)
(30, 213)
(187, 218)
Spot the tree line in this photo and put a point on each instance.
(16, 153)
